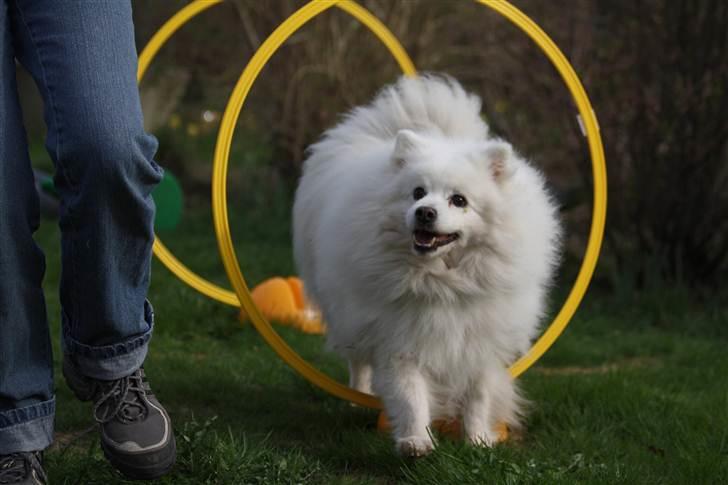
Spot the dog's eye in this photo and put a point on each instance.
(418, 193)
(458, 200)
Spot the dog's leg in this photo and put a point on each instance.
(360, 375)
(478, 414)
(407, 403)
(491, 399)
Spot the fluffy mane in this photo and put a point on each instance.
(425, 103)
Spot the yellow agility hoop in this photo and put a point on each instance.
(160, 250)
(222, 154)
(599, 172)
(146, 57)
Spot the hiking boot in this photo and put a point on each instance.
(136, 432)
(22, 469)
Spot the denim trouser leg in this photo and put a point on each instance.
(82, 56)
(26, 366)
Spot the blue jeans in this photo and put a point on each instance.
(82, 56)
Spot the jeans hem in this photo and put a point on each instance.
(109, 362)
(31, 428)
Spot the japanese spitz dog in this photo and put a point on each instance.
(428, 245)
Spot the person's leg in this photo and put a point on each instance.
(83, 57)
(26, 365)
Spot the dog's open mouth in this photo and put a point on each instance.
(426, 241)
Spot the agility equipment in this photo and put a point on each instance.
(148, 54)
(283, 300)
(242, 295)
(169, 202)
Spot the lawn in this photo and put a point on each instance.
(634, 392)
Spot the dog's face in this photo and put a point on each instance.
(450, 190)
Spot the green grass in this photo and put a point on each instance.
(634, 392)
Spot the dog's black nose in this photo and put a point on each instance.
(425, 215)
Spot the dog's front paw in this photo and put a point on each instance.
(415, 446)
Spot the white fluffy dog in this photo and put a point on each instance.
(428, 246)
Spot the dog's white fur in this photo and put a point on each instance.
(432, 334)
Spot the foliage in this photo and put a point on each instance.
(663, 101)
(656, 72)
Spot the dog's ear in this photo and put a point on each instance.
(499, 156)
(406, 142)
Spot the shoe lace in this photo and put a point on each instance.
(123, 399)
(16, 467)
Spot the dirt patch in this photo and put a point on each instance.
(63, 440)
(633, 363)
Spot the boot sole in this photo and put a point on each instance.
(136, 472)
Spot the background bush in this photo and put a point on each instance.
(656, 72)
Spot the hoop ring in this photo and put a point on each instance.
(160, 250)
(220, 168)
(150, 51)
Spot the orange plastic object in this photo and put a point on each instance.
(449, 428)
(283, 300)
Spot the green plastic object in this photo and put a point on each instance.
(48, 186)
(169, 201)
